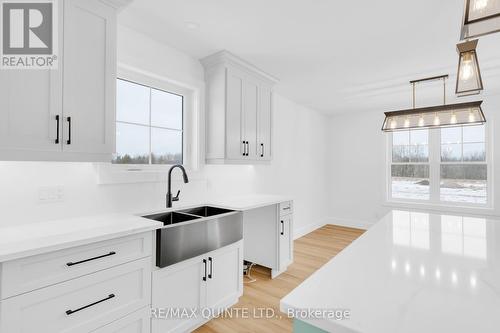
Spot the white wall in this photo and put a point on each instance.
(298, 170)
(358, 167)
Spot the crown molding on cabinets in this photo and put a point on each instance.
(117, 4)
(225, 57)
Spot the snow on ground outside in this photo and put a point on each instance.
(455, 191)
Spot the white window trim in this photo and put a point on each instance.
(109, 173)
(434, 202)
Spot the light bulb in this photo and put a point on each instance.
(467, 70)
(394, 123)
(407, 122)
(472, 117)
(421, 121)
(480, 4)
(453, 118)
(437, 121)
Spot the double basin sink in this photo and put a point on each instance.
(208, 229)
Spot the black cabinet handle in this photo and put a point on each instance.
(205, 263)
(68, 312)
(262, 150)
(57, 130)
(210, 275)
(69, 130)
(282, 227)
(90, 259)
(244, 148)
(248, 148)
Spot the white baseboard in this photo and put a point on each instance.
(365, 225)
(297, 233)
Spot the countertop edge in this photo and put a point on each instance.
(74, 243)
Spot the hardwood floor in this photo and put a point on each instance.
(310, 253)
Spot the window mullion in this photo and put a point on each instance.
(434, 164)
(150, 129)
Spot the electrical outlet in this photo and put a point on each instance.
(48, 194)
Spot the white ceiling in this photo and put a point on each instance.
(333, 56)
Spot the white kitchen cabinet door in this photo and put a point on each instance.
(30, 100)
(180, 286)
(80, 305)
(235, 148)
(89, 77)
(225, 276)
(264, 149)
(250, 107)
(285, 241)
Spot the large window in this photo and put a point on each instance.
(410, 165)
(447, 165)
(149, 125)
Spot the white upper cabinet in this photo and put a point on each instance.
(238, 111)
(68, 113)
(89, 77)
(30, 104)
(264, 124)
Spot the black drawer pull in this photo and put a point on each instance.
(57, 130)
(286, 208)
(69, 130)
(210, 275)
(68, 312)
(94, 258)
(205, 263)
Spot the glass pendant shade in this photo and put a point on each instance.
(469, 80)
(451, 115)
(481, 17)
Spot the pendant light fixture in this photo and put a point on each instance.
(450, 115)
(469, 81)
(481, 17)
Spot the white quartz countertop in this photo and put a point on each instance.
(410, 273)
(36, 238)
(247, 202)
(41, 237)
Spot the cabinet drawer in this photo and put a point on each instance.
(80, 305)
(27, 274)
(137, 322)
(286, 208)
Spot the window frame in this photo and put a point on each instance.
(435, 163)
(189, 125)
(150, 125)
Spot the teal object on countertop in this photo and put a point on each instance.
(302, 327)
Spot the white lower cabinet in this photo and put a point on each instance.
(268, 234)
(206, 284)
(80, 305)
(285, 242)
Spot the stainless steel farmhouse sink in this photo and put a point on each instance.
(191, 232)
